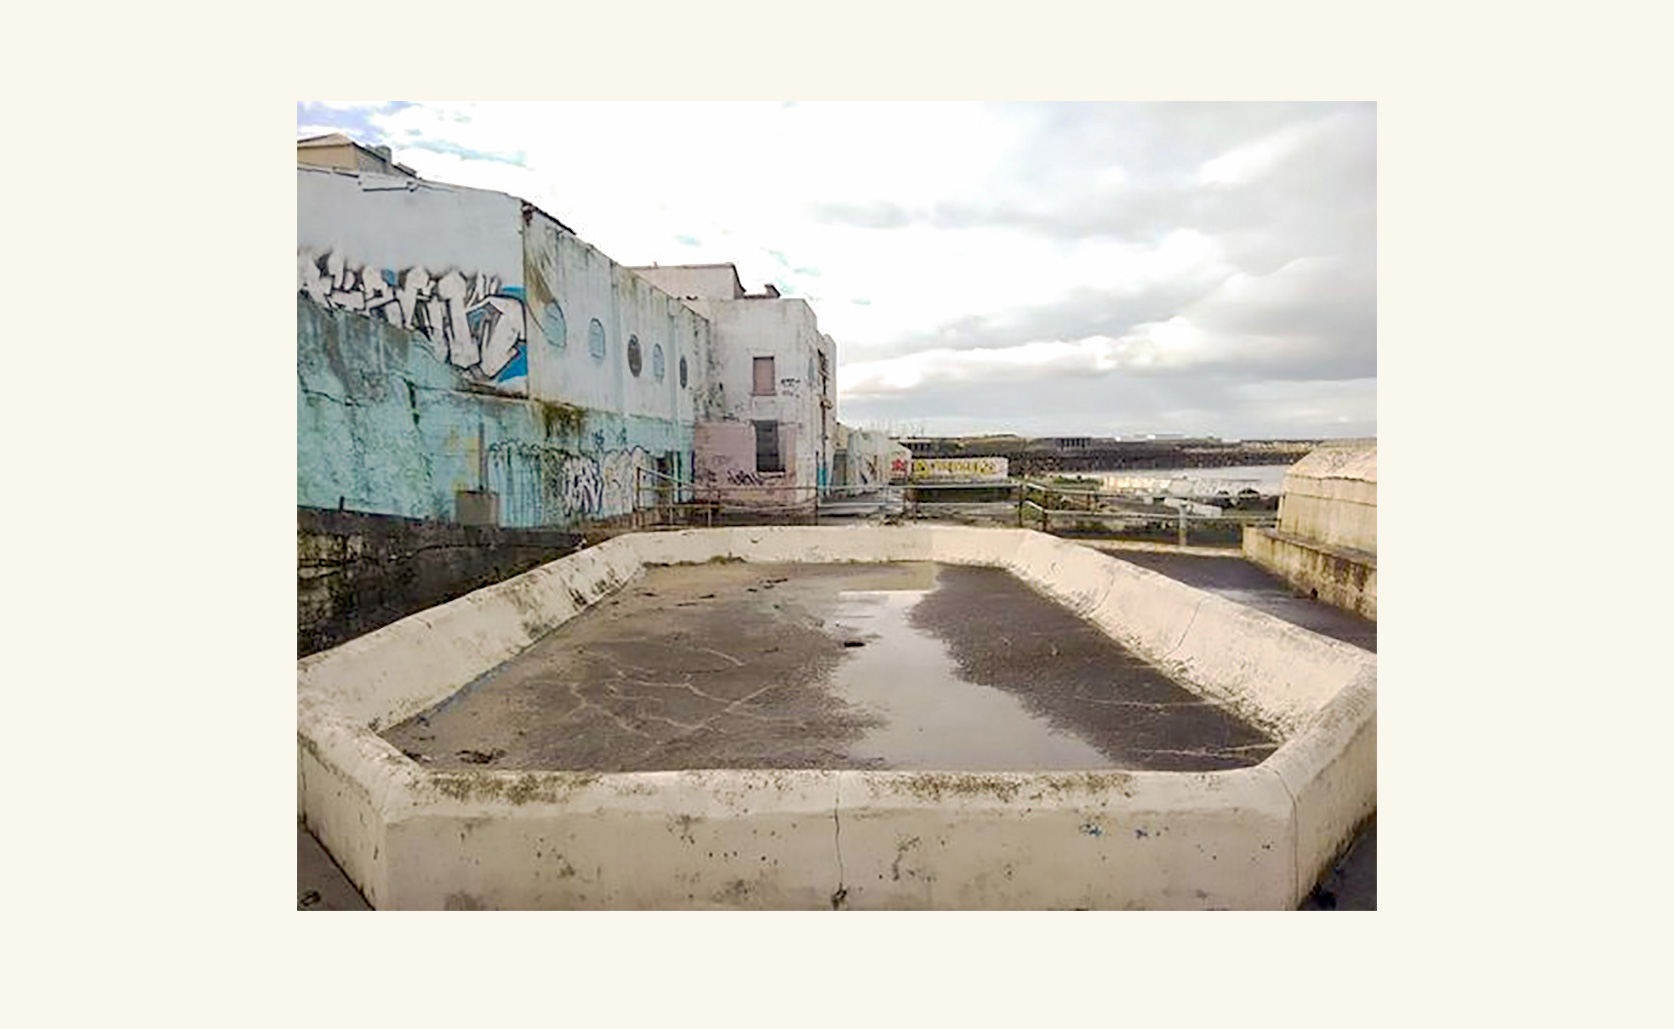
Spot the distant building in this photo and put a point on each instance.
(864, 459)
(695, 281)
(774, 420)
(336, 150)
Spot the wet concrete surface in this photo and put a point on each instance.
(907, 665)
(1241, 581)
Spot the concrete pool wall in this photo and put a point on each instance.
(1254, 837)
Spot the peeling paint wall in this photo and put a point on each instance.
(802, 397)
(454, 340)
(725, 453)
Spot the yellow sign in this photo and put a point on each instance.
(963, 469)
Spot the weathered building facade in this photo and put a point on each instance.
(770, 434)
(463, 356)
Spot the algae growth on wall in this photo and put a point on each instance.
(385, 426)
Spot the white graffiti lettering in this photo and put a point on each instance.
(472, 321)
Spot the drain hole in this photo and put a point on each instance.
(854, 643)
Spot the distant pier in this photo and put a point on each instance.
(1048, 456)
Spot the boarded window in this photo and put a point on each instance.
(768, 458)
(764, 377)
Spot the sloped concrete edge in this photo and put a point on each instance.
(1253, 838)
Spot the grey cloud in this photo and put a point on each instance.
(1316, 322)
(1115, 405)
(1079, 313)
(875, 214)
(1299, 232)
(1318, 199)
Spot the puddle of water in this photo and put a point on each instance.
(929, 718)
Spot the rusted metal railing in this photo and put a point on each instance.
(1050, 508)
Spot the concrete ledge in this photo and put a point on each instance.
(1340, 576)
(1098, 840)
(1252, 838)
(1330, 769)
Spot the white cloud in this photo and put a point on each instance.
(1015, 292)
(1250, 161)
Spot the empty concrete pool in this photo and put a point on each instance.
(911, 665)
(855, 717)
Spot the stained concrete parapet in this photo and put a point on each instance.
(1255, 837)
(1326, 542)
(1339, 576)
(1330, 497)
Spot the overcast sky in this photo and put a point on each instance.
(1045, 269)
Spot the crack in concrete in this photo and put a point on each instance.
(728, 706)
(1187, 630)
(709, 650)
(1150, 704)
(611, 715)
(1209, 752)
(682, 726)
(839, 896)
(343, 401)
(732, 707)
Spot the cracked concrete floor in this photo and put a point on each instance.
(905, 665)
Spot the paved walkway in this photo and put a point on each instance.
(320, 884)
(1238, 580)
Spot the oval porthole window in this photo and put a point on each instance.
(657, 368)
(552, 326)
(634, 362)
(682, 373)
(595, 339)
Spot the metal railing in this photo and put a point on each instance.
(665, 500)
(662, 499)
(1063, 510)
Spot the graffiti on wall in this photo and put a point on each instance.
(963, 468)
(473, 321)
(558, 486)
(900, 468)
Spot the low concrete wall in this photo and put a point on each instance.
(1250, 838)
(1331, 496)
(1339, 576)
(357, 572)
(1331, 511)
